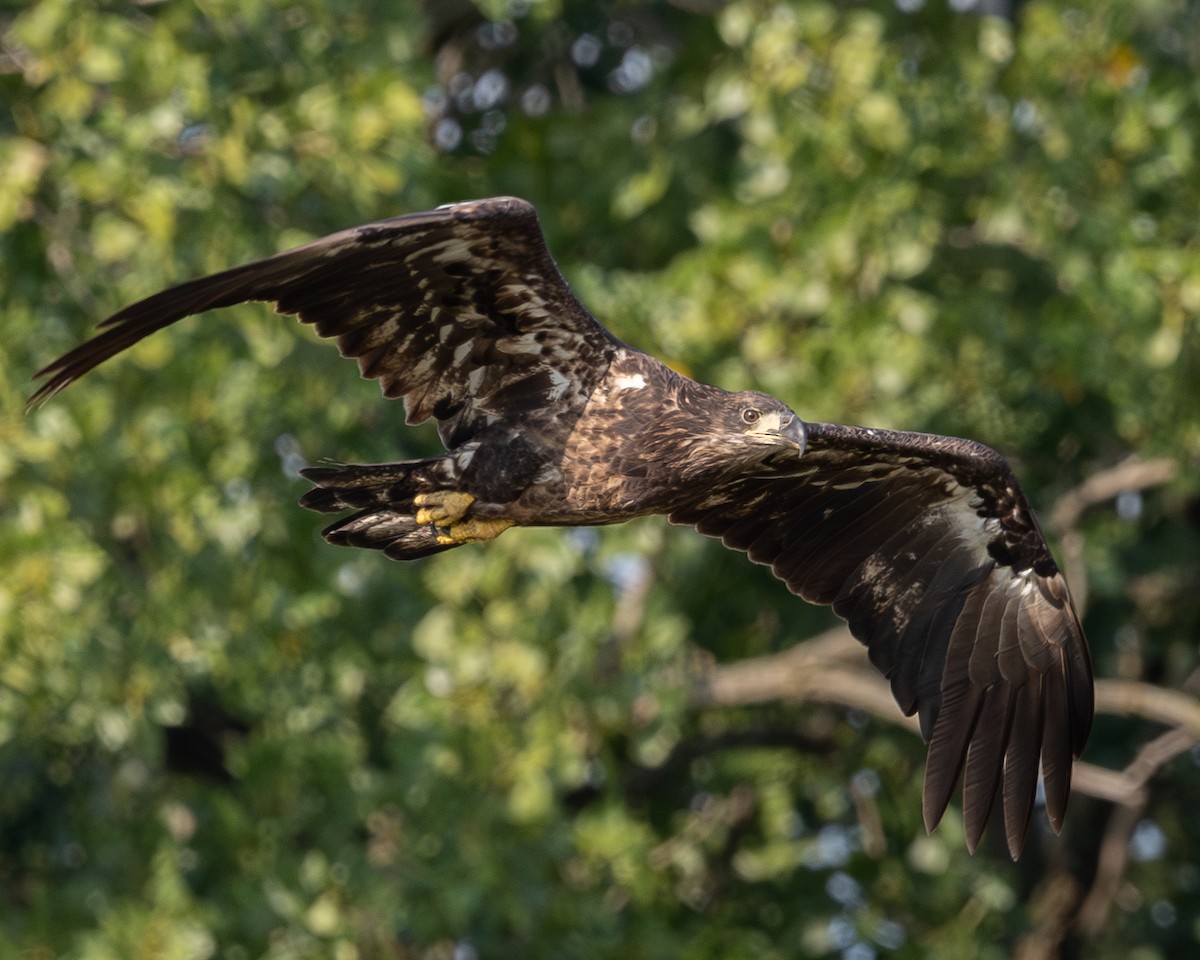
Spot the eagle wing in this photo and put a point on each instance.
(929, 550)
(461, 310)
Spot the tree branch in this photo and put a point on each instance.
(833, 668)
(1114, 848)
(1171, 708)
(1132, 473)
(830, 668)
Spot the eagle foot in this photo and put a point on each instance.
(443, 508)
(470, 531)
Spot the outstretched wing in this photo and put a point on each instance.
(927, 547)
(460, 310)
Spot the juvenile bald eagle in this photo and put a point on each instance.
(924, 544)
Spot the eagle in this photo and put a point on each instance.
(925, 545)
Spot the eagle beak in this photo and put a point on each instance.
(794, 431)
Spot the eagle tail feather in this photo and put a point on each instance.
(397, 534)
(355, 486)
(383, 496)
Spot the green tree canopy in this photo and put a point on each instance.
(220, 737)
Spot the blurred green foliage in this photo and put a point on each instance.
(220, 737)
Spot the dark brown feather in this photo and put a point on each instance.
(461, 309)
(1029, 727)
(928, 549)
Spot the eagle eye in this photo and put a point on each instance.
(750, 415)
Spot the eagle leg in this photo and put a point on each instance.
(443, 508)
(470, 531)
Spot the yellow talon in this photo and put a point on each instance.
(443, 508)
(470, 531)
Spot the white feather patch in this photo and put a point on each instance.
(971, 528)
(560, 385)
(521, 344)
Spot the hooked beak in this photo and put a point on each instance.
(794, 431)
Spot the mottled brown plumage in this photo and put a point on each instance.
(925, 545)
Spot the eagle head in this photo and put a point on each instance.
(762, 429)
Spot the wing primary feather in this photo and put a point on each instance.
(940, 610)
(975, 631)
(1059, 622)
(1056, 747)
(1021, 765)
(991, 741)
(984, 665)
(985, 760)
(959, 714)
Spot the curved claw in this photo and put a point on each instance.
(442, 508)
